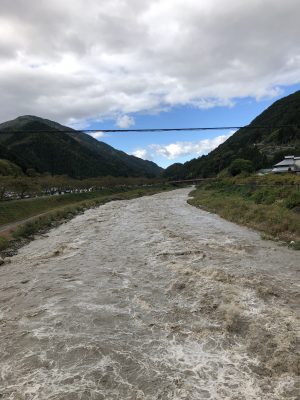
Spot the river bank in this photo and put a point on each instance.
(268, 204)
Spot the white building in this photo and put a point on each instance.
(289, 164)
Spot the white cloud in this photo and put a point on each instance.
(175, 150)
(90, 59)
(125, 121)
(97, 135)
(142, 153)
(179, 149)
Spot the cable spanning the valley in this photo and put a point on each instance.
(203, 128)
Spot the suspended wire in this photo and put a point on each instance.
(167, 129)
(203, 128)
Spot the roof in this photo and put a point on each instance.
(286, 162)
(290, 163)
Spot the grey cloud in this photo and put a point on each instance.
(83, 59)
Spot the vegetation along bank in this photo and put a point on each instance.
(269, 204)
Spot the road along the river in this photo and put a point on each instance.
(150, 299)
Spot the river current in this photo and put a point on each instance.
(150, 299)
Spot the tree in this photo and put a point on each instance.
(24, 186)
(5, 186)
(175, 171)
(239, 166)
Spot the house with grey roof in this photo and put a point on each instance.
(289, 164)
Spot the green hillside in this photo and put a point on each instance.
(263, 147)
(8, 168)
(46, 146)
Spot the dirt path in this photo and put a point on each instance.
(150, 299)
(6, 230)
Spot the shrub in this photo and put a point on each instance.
(264, 196)
(293, 200)
(3, 243)
(25, 230)
(239, 166)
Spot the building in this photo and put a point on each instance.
(289, 164)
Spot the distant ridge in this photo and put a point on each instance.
(35, 143)
(263, 147)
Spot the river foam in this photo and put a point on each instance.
(150, 299)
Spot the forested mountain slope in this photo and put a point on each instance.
(263, 147)
(46, 146)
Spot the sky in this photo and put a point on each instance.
(95, 64)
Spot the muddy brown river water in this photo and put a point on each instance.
(150, 299)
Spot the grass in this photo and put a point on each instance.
(11, 211)
(58, 209)
(3, 243)
(269, 205)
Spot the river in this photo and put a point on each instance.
(150, 299)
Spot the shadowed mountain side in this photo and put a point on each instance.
(46, 146)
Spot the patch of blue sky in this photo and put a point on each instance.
(241, 113)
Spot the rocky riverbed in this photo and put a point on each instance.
(150, 299)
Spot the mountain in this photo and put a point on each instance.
(263, 147)
(8, 168)
(46, 146)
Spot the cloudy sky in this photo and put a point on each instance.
(148, 63)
